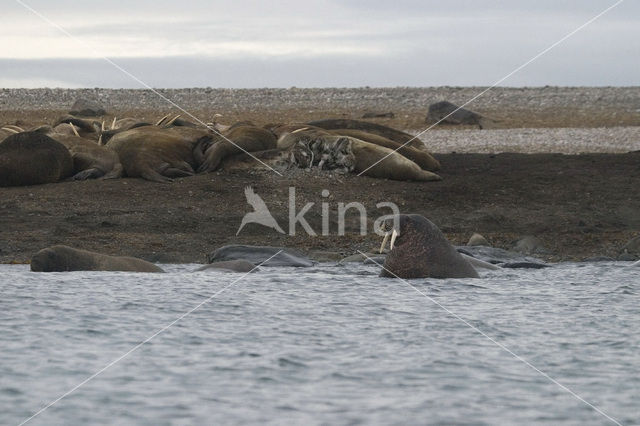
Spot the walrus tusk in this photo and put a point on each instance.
(14, 127)
(100, 140)
(394, 235)
(162, 119)
(102, 126)
(384, 241)
(113, 124)
(74, 130)
(10, 130)
(170, 122)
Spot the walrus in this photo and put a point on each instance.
(62, 258)
(378, 129)
(266, 256)
(89, 127)
(161, 154)
(420, 250)
(317, 147)
(90, 160)
(245, 138)
(421, 157)
(237, 265)
(32, 158)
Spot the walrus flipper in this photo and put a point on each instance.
(92, 173)
(152, 175)
(116, 173)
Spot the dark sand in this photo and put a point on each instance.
(578, 205)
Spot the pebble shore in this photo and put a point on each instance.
(603, 98)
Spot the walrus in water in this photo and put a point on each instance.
(31, 158)
(378, 129)
(236, 265)
(63, 258)
(419, 250)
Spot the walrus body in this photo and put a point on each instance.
(421, 157)
(378, 129)
(420, 250)
(63, 258)
(318, 147)
(238, 265)
(260, 255)
(245, 138)
(32, 158)
(90, 160)
(160, 154)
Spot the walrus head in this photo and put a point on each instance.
(60, 258)
(419, 249)
(48, 260)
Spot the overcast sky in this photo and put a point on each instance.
(317, 43)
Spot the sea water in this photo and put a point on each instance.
(329, 344)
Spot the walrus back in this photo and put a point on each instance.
(31, 158)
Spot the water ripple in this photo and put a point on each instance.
(328, 344)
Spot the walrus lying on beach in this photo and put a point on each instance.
(312, 147)
(395, 135)
(161, 154)
(419, 250)
(238, 139)
(90, 160)
(419, 156)
(63, 258)
(89, 128)
(32, 158)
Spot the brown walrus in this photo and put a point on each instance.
(317, 147)
(90, 160)
(378, 129)
(161, 154)
(62, 258)
(32, 158)
(245, 139)
(421, 157)
(86, 127)
(419, 250)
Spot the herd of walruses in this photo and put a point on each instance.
(86, 148)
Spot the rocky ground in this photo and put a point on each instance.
(505, 182)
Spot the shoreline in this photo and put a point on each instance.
(527, 176)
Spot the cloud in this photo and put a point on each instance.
(315, 43)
